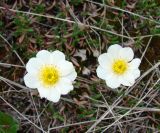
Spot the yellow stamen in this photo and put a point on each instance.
(120, 66)
(49, 75)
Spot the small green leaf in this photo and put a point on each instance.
(8, 124)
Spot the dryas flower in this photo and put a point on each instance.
(117, 66)
(51, 74)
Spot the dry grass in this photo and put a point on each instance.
(71, 26)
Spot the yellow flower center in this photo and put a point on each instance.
(49, 75)
(120, 66)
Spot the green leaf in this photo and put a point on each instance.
(8, 124)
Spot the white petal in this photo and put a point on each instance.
(136, 73)
(44, 55)
(54, 95)
(44, 92)
(72, 76)
(114, 49)
(101, 72)
(105, 60)
(126, 53)
(112, 81)
(127, 79)
(57, 56)
(54, 98)
(134, 64)
(31, 81)
(65, 67)
(33, 65)
(64, 86)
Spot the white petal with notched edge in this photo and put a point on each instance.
(65, 86)
(136, 73)
(33, 65)
(105, 60)
(72, 76)
(54, 95)
(65, 67)
(113, 49)
(31, 80)
(135, 63)
(102, 73)
(43, 54)
(112, 81)
(57, 56)
(127, 79)
(126, 53)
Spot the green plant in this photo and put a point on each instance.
(39, 8)
(76, 2)
(22, 23)
(84, 113)
(1, 24)
(8, 124)
(77, 32)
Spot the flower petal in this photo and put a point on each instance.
(101, 72)
(57, 56)
(127, 79)
(112, 81)
(31, 81)
(44, 55)
(136, 73)
(134, 64)
(72, 76)
(64, 86)
(113, 49)
(54, 98)
(52, 94)
(33, 65)
(65, 67)
(44, 92)
(105, 60)
(126, 53)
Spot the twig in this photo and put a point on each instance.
(134, 106)
(119, 99)
(11, 65)
(67, 20)
(86, 122)
(13, 50)
(122, 10)
(13, 83)
(22, 115)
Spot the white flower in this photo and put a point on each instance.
(51, 74)
(117, 66)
